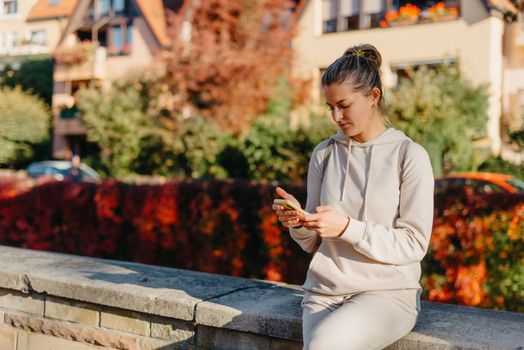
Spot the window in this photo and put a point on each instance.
(340, 15)
(406, 70)
(119, 5)
(121, 39)
(10, 7)
(11, 39)
(129, 39)
(519, 185)
(39, 37)
(116, 39)
(484, 186)
(105, 7)
(329, 16)
(349, 11)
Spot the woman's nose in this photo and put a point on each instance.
(336, 114)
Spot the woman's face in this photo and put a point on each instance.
(351, 110)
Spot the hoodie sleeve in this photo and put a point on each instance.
(407, 242)
(308, 239)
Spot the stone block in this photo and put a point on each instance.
(123, 320)
(33, 341)
(173, 330)
(227, 339)
(15, 300)
(273, 311)
(72, 311)
(157, 344)
(72, 331)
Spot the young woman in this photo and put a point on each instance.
(369, 217)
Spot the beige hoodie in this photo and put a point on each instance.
(390, 224)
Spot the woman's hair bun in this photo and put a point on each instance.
(367, 51)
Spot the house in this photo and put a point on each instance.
(484, 38)
(31, 27)
(102, 41)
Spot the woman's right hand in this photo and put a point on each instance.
(288, 217)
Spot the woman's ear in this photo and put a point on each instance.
(375, 95)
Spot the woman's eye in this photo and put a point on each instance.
(345, 107)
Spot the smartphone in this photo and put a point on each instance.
(286, 203)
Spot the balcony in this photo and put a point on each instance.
(381, 17)
(82, 62)
(69, 123)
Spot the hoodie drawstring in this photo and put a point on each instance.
(346, 175)
(368, 178)
(365, 203)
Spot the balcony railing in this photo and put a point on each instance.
(82, 62)
(405, 15)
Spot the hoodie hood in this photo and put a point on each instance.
(389, 136)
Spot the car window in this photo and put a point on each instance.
(89, 172)
(519, 185)
(449, 184)
(482, 186)
(36, 170)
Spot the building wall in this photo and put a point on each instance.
(17, 23)
(144, 47)
(513, 82)
(53, 27)
(474, 41)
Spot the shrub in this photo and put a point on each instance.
(275, 151)
(476, 253)
(443, 112)
(499, 165)
(24, 124)
(35, 76)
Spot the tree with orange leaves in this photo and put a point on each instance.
(226, 57)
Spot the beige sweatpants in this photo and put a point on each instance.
(368, 320)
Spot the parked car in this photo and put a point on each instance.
(480, 182)
(60, 170)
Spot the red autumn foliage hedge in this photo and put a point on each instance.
(476, 255)
(213, 226)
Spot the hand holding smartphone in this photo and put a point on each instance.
(286, 203)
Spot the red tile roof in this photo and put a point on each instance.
(505, 5)
(43, 10)
(153, 12)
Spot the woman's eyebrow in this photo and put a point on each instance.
(338, 101)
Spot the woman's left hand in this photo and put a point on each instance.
(327, 222)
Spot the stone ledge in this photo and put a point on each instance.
(219, 305)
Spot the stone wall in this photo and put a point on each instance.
(52, 301)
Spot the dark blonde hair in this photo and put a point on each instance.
(360, 66)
